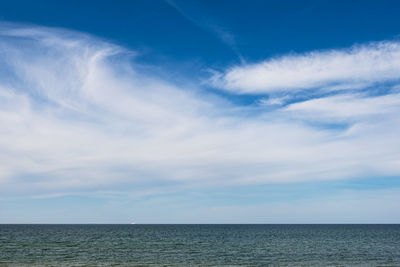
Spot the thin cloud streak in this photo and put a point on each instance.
(224, 35)
(357, 67)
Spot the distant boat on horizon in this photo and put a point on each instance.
(133, 223)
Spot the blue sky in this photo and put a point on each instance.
(199, 111)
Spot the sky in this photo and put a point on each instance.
(199, 111)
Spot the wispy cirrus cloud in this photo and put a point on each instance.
(357, 67)
(356, 107)
(79, 115)
(222, 33)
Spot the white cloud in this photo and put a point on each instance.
(356, 67)
(272, 101)
(348, 107)
(75, 116)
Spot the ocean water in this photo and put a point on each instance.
(199, 245)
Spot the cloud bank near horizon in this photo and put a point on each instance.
(78, 114)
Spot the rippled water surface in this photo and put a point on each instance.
(199, 245)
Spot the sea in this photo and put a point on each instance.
(200, 245)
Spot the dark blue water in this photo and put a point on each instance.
(199, 245)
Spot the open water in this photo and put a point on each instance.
(199, 245)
